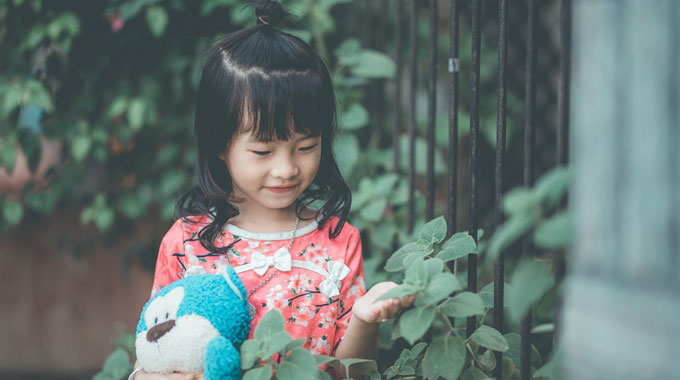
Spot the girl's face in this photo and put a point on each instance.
(272, 175)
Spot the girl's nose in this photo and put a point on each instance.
(285, 168)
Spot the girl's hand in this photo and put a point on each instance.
(367, 311)
(141, 375)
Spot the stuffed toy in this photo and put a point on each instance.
(195, 325)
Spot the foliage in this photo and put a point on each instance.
(434, 327)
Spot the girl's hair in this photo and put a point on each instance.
(268, 82)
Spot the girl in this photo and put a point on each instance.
(270, 199)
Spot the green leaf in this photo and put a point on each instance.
(356, 116)
(12, 212)
(530, 281)
(487, 293)
(444, 357)
(270, 324)
(473, 373)
(508, 232)
(80, 147)
(277, 343)
(459, 245)
(399, 291)
(520, 201)
(417, 349)
(362, 366)
(135, 113)
(463, 305)
(488, 360)
(324, 359)
(416, 321)
(508, 368)
(416, 274)
(7, 153)
(545, 371)
(103, 218)
(118, 106)
(555, 232)
(396, 262)
(117, 364)
(434, 231)
(250, 351)
(490, 338)
(103, 376)
(374, 210)
(373, 64)
(346, 152)
(298, 365)
(550, 188)
(294, 344)
(157, 19)
(259, 373)
(440, 287)
(434, 267)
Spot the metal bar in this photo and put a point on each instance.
(474, 133)
(529, 102)
(431, 111)
(410, 217)
(563, 110)
(452, 207)
(499, 265)
(396, 128)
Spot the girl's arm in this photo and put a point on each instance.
(361, 337)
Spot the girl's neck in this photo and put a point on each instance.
(270, 220)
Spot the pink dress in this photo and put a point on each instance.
(315, 295)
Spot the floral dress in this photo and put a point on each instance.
(315, 294)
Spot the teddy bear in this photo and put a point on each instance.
(195, 325)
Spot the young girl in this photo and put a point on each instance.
(270, 199)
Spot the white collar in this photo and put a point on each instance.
(240, 232)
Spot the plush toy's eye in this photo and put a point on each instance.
(155, 320)
(167, 315)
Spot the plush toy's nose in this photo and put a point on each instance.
(159, 330)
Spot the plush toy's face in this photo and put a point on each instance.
(173, 341)
(178, 324)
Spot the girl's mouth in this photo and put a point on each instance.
(281, 189)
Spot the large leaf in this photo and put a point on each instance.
(555, 232)
(440, 287)
(373, 64)
(444, 357)
(117, 364)
(459, 245)
(270, 324)
(509, 232)
(416, 274)
(490, 338)
(550, 188)
(298, 365)
(250, 351)
(463, 305)
(355, 116)
(259, 373)
(416, 321)
(399, 291)
(433, 231)
(530, 281)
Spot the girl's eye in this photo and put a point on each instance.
(260, 152)
(306, 148)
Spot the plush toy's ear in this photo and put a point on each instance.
(226, 272)
(194, 271)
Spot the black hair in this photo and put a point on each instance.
(285, 87)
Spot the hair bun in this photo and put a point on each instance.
(272, 13)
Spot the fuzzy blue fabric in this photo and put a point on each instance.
(206, 304)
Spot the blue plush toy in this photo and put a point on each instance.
(195, 325)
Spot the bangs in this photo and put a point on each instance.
(278, 104)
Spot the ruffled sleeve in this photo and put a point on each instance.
(353, 286)
(168, 266)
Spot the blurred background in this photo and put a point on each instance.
(96, 144)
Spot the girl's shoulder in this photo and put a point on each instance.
(187, 226)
